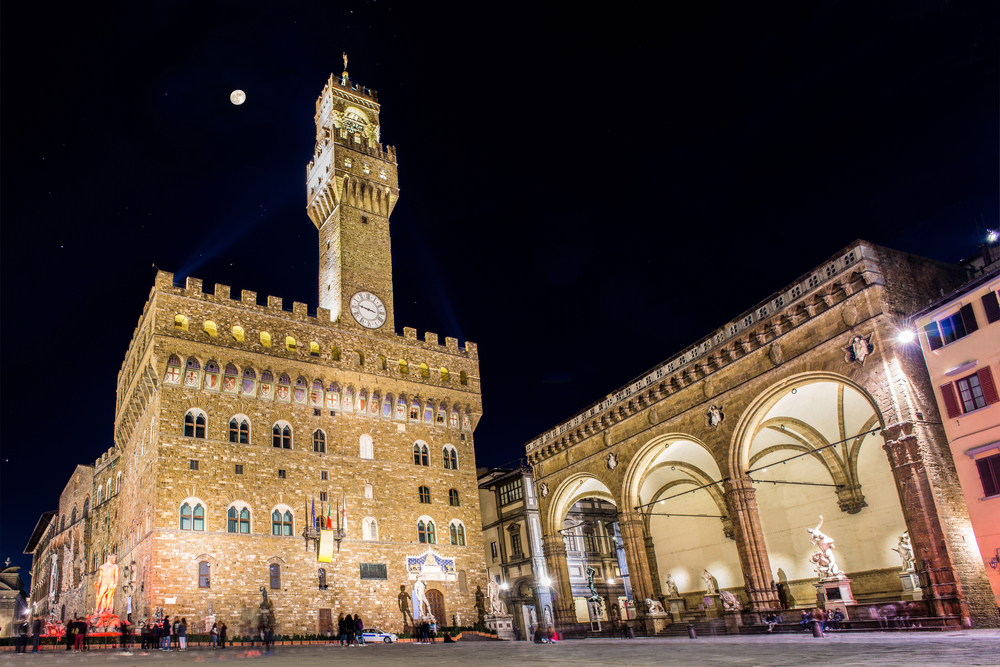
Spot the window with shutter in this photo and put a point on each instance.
(989, 473)
(275, 576)
(950, 400)
(990, 393)
(969, 319)
(992, 307)
(933, 336)
(204, 570)
(970, 392)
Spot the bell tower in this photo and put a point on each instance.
(351, 189)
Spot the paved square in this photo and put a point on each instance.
(966, 648)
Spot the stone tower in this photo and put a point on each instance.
(351, 191)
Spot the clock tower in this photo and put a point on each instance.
(351, 190)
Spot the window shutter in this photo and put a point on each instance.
(992, 307)
(950, 400)
(989, 387)
(969, 319)
(987, 469)
(933, 335)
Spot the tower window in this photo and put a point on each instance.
(453, 497)
(281, 474)
(364, 220)
(425, 494)
(239, 468)
(194, 464)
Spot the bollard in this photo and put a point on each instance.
(817, 628)
(691, 633)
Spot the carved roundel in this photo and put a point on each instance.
(612, 461)
(715, 416)
(543, 489)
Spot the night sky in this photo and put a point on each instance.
(584, 192)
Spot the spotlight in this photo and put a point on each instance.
(545, 581)
(992, 235)
(906, 336)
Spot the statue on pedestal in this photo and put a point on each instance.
(480, 606)
(671, 587)
(107, 582)
(730, 602)
(905, 552)
(654, 607)
(497, 607)
(823, 559)
(423, 606)
(709, 580)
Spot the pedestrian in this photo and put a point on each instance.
(126, 628)
(223, 629)
(165, 634)
(341, 629)
(214, 634)
(70, 631)
(804, 621)
(182, 631)
(175, 633)
(359, 629)
(770, 619)
(36, 633)
(836, 619)
(157, 630)
(81, 634)
(20, 641)
(820, 617)
(351, 630)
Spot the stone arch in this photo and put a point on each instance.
(570, 491)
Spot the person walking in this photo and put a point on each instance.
(214, 634)
(341, 629)
(21, 640)
(81, 633)
(156, 631)
(165, 634)
(223, 630)
(349, 629)
(70, 631)
(182, 631)
(175, 634)
(126, 627)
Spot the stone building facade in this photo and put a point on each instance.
(722, 457)
(238, 420)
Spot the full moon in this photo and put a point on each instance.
(238, 97)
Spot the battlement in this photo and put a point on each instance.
(193, 288)
(344, 88)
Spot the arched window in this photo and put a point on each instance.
(238, 334)
(299, 392)
(100, 490)
(199, 518)
(445, 375)
(322, 579)
(238, 520)
(284, 388)
(281, 436)
(72, 519)
(421, 455)
(275, 572)
(192, 373)
(266, 390)
(367, 448)
(204, 570)
(290, 344)
(369, 529)
(453, 497)
(86, 507)
(424, 493)
(425, 532)
(457, 533)
(173, 375)
(180, 322)
(108, 497)
(404, 368)
(425, 372)
(239, 430)
(463, 378)
(265, 339)
(316, 395)
(62, 523)
(185, 516)
(211, 329)
(211, 376)
(335, 353)
(281, 523)
(194, 424)
(369, 491)
(382, 364)
(415, 411)
(319, 441)
(450, 457)
(229, 378)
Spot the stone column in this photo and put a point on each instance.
(634, 540)
(654, 570)
(941, 587)
(742, 503)
(554, 549)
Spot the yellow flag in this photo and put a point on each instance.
(326, 546)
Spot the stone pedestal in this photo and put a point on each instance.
(911, 586)
(656, 623)
(734, 621)
(677, 607)
(834, 594)
(503, 624)
(713, 606)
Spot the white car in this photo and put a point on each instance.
(374, 634)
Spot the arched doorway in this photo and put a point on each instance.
(812, 448)
(435, 599)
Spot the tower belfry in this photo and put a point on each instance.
(351, 190)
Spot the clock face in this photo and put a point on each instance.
(368, 310)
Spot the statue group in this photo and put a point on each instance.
(823, 560)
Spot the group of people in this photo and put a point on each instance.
(831, 622)
(163, 635)
(36, 626)
(350, 630)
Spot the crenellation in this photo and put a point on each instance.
(221, 292)
(193, 286)
(451, 343)
(301, 309)
(248, 297)
(409, 333)
(274, 302)
(431, 338)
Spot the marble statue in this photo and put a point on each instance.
(671, 585)
(730, 602)
(654, 607)
(423, 606)
(823, 559)
(532, 618)
(497, 607)
(709, 580)
(107, 582)
(905, 552)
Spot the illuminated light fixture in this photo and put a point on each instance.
(545, 581)
(906, 336)
(504, 586)
(611, 582)
(992, 235)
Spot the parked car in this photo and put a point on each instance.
(374, 634)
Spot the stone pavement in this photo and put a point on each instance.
(963, 648)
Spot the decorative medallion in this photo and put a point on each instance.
(776, 354)
(859, 348)
(714, 416)
(543, 489)
(612, 461)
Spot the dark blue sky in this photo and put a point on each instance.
(571, 181)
